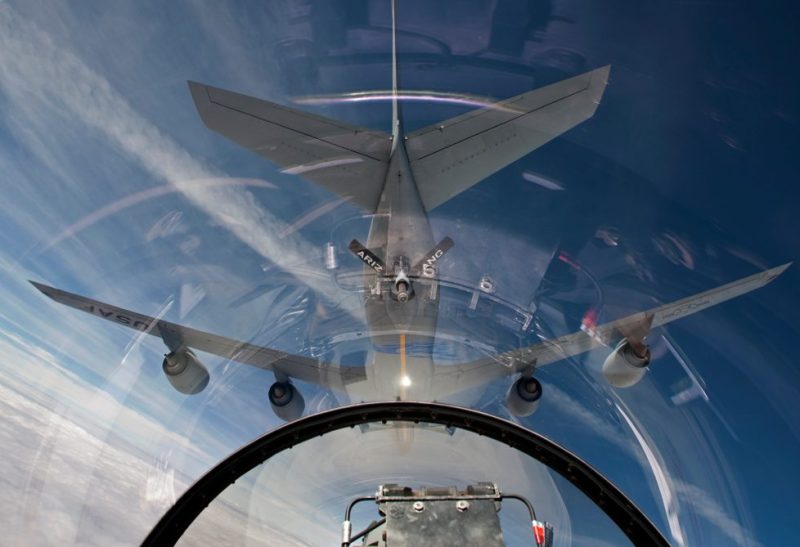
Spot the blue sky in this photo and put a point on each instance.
(114, 189)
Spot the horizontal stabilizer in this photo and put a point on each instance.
(347, 160)
(449, 157)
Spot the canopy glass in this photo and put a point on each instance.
(676, 178)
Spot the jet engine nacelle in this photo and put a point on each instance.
(523, 396)
(623, 368)
(185, 372)
(286, 401)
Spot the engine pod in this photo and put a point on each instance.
(286, 401)
(523, 396)
(185, 372)
(623, 368)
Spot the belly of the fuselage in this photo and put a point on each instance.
(403, 377)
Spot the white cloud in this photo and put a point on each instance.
(579, 414)
(84, 463)
(664, 482)
(706, 506)
(46, 82)
(63, 485)
(680, 498)
(93, 464)
(48, 382)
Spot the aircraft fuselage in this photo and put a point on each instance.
(402, 333)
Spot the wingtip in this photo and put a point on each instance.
(598, 80)
(601, 75)
(772, 273)
(202, 100)
(782, 268)
(198, 91)
(41, 287)
(36, 284)
(196, 88)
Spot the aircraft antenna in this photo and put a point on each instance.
(395, 105)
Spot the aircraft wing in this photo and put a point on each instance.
(350, 161)
(294, 366)
(454, 378)
(449, 157)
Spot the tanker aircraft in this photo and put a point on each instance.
(399, 178)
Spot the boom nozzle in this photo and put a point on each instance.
(402, 292)
(403, 289)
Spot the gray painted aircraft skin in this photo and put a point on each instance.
(400, 178)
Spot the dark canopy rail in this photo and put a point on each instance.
(636, 526)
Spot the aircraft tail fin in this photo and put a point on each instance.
(350, 161)
(449, 157)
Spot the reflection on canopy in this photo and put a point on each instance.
(114, 190)
(265, 502)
